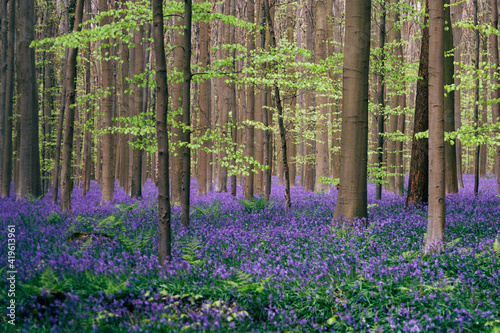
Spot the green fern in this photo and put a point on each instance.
(213, 208)
(255, 205)
(244, 285)
(190, 250)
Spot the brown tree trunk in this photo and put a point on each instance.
(136, 183)
(495, 107)
(310, 145)
(322, 124)
(352, 197)
(186, 116)
(3, 77)
(87, 139)
(380, 91)
(107, 177)
(436, 218)
(164, 246)
(29, 160)
(70, 83)
(248, 181)
(290, 137)
(456, 13)
(476, 100)
(9, 92)
(418, 190)
(205, 107)
(451, 179)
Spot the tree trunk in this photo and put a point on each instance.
(9, 92)
(248, 181)
(204, 106)
(476, 101)
(164, 246)
(352, 197)
(310, 145)
(495, 107)
(451, 179)
(29, 160)
(136, 183)
(290, 137)
(107, 177)
(418, 190)
(186, 116)
(3, 77)
(436, 218)
(322, 124)
(381, 102)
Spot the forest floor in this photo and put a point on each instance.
(249, 267)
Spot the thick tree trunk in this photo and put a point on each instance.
(418, 190)
(29, 160)
(322, 124)
(9, 92)
(436, 219)
(107, 177)
(495, 107)
(164, 246)
(352, 198)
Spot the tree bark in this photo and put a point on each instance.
(322, 124)
(451, 179)
(495, 107)
(9, 92)
(436, 218)
(70, 83)
(186, 116)
(381, 102)
(107, 177)
(164, 229)
(136, 183)
(352, 197)
(29, 160)
(418, 190)
(476, 101)
(248, 181)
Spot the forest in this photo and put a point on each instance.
(250, 166)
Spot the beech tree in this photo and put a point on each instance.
(436, 218)
(352, 197)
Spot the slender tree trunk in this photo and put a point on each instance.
(352, 198)
(418, 190)
(483, 148)
(495, 107)
(204, 106)
(9, 92)
(107, 179)
(310, 145)
(290, 137)
(136, 183)
(70, 83)
(451, 179)
(279, 107)
(29, 160)
(232, 95)
(476, 101)
(164, 246)
(87, 138)
(186, 116)
(381, 101)
(248, 181)
(322, 156)
(456, 12)
(436, 219)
